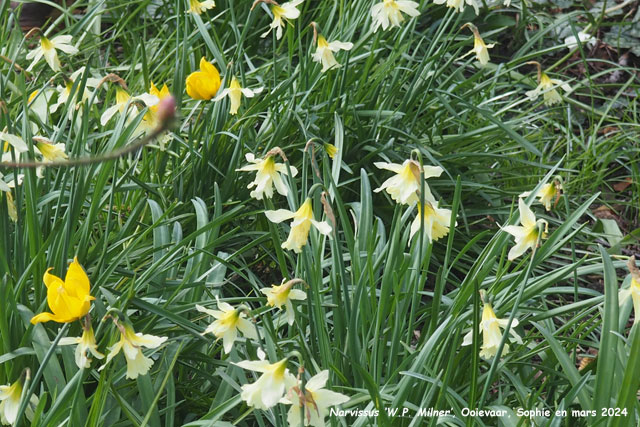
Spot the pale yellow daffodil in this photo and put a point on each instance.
(324, 52)
(302, 221)
(10, 396)
(50, 151)
(85, 343)
(64, 92)
(283, 294)
(388, 13)
(547, 193)
(526, 235)
(490, 327)
(131, 343)
(196, 7)
(547, 87)
(404, 187)
(633, 290)
(281, 13)
(267, 391)
(267, 175)
(315, 401)
(229, 321)
(48, 48)
(122, 100)
(69, 300)
(436, 221)
(459, 5)
(235, 93)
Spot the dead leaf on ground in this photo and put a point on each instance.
(622, 185)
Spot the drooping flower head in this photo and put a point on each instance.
(281, 13)
(547, 193)
(69, 300)
(203, 84)
(196, 7)
(324, 52)
(331, 150)
(634, 289)
(283, 294)
(490, 327)
(235, 93)
(50, 151)
(388, 13)
(267, 174)
(86, 343)
(404, 187)
(229, 321)
(131, 343)
(10, 396)
(64, 92)
(526, 235)
(480, 49)
(302, 221)
(267, 391)
(315, 401)
(48, 48)
(547, 87)
(436, 221)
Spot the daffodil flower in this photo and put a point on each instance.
(315, 401)
(64, 92)
(6, 187)
(196, 7)
(324, 52)
(436, 221)
(85, 343)
(203, 84)
(50, 151)
(633, 290)
(229, 321)
(267, 391)
(281, 13)
(10, 396)
(404, 187)
(235, 92)
(546, 193)
(69, 300)
(267, 176)
(571, 42)
(39, 104)
(490, 327)
(547, 87)
(302, 221)
(388, 13)
(279, 295)
(8, 140)
(526, 235)
(122, 99)
(48, 48)
(131, 343)
(459, 5)
(331, 150)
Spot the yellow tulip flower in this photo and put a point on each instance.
(69, 300)
(203, 84)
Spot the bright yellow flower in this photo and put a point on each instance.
(388, 13)
(69, 300)
(85, 343)
(547, 87)
(633, 291)
(324, 52)
(267, 391)
(267, 176)
(228, 321)
(47, 48)
(491, 335)
(302, 221)
(131, 343)
(546, 193)
(10, 396)
(279, 295)
(436, 221)
(315, 401)
(285, 11)
(203, 84)
(197, 7)
(331, 150)
(51, 152)
(526, 235)
(235, 92)
(405, 185)
(160, 94)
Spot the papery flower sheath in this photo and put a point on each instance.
(69, 300)
(203, 84)
(302, 221)
(389, 13)
(268, 175)
(490, 327)
(229, 321)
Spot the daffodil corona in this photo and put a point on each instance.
(388, 13)
(404, 187)
(281, 14)
(235, 93)
(267, 175)
(69, 300)
(490, 327)
(315, 401)
(279, 295)
(229, 321)
(203, 84)
(48, 48)
(324, 52)
(526, 235)
(302, 221)
(50, 151)
(267, 391)
(436, 221)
